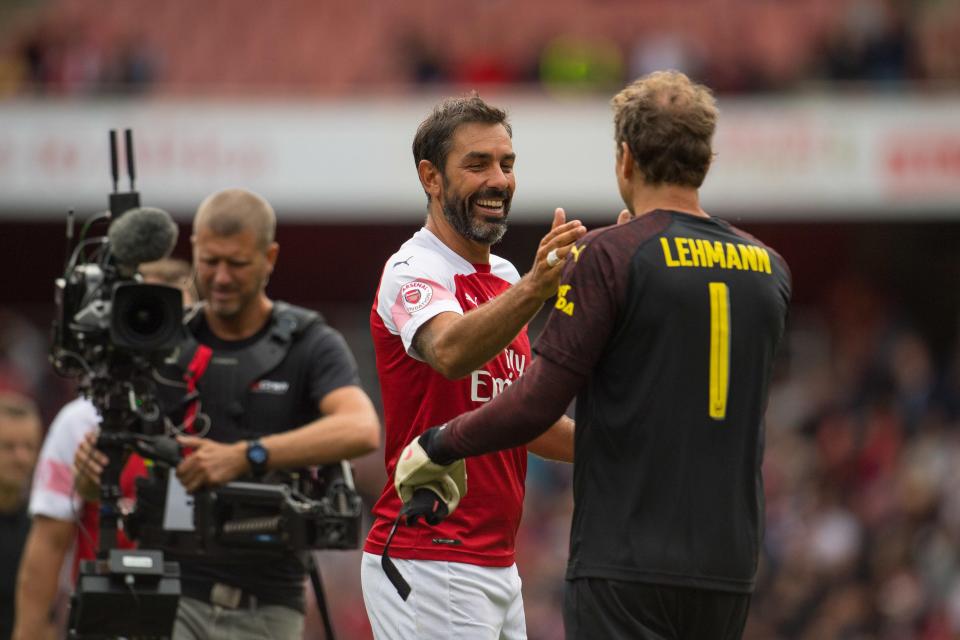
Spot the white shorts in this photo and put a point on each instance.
(447, 600)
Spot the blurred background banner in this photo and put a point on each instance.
(807, 157)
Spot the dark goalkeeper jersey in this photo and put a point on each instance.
(674, 321)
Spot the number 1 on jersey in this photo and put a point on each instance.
(719, 349)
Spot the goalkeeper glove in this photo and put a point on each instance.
(415, 470)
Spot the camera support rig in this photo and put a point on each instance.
(112, 332)
(119, 577)
(109, 331)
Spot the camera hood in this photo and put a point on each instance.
(146, 318)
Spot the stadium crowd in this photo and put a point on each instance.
(83, 48)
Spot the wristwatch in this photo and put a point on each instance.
(257, 456)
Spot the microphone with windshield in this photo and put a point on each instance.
(145, 317)
(141, 235)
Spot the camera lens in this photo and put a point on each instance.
(146, 317)
(145, 321)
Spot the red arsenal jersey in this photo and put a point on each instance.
(423, 279)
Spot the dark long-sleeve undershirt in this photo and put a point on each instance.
(526, 409)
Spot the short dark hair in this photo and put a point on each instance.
(435, 134)
(668, 123)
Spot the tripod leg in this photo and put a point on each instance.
(321, 598)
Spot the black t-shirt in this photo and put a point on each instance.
(13, 534)
(281, 399)
(204, 335)
(675, 321)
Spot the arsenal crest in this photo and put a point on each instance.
(415, 295)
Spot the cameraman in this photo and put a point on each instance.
(276, 383)
(57, 510)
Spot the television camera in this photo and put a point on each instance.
(112, 331)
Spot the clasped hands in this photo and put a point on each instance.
(416, 470)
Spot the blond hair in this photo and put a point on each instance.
(171, 271)
(667, 122)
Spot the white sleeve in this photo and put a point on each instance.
(52, 493)
(504, 269)
(412, 294)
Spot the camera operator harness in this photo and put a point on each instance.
(227, 380)
(227, 391)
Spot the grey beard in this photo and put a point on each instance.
(472, 229)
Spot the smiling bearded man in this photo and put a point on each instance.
(449, 330)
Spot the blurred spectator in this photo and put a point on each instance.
(937, 27)
(484, 68)
(24, 367)
(22, 354)
(20, 435)
(12, 71)
(871, 43)
(664, 50)
(81, 63)
(484, 56)
(421, 60)
(131, 69)
(35, 52)
(569, 63)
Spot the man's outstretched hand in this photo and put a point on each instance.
(415, 470)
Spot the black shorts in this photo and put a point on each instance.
(601, 609)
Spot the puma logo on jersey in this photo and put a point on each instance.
(406, 262)
(471, 299)
(576, 251)
(564, 305)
